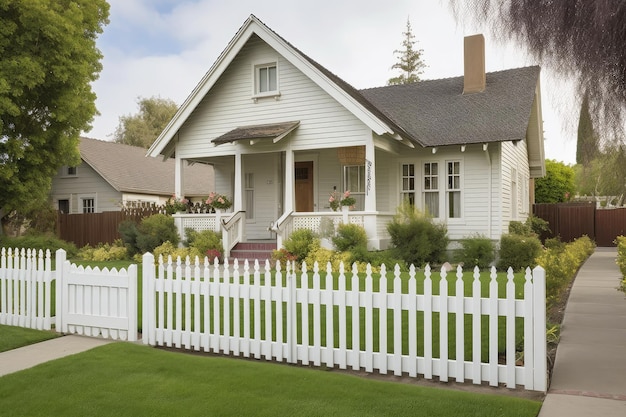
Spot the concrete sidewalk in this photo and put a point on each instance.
(589, 376)
(32, 355)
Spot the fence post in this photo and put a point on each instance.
(539, 323)
(147, 290)
(60, 272)
(132, 303)
(292, 342)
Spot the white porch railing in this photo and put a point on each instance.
(326, 223)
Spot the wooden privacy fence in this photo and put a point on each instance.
(570, 221)
(94, 228)
(313, 318)
(89, 301)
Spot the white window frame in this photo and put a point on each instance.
(256, 76)
(431, 190)
(452, 189)
(359, 192)
(408, 182)
(81, 203)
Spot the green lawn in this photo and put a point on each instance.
(124, 379)
(12, 337)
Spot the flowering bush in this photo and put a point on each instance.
(345, 200)
(175, 204)
(212, 254)
(218, 201)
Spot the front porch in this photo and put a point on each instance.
(232, 226)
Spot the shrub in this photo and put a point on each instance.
(168, 248)
(40, 242)
(283, 256)
(350, 236)
(128, 233)
(517, 251)
(104, 252)
(621, 254)
(205, 241)
(476, 251)
(155, 230)
(415, 238)
(561, 262)
(299, 243)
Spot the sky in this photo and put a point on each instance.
(163, 48)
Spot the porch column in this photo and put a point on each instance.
(179, 179)
(289, 180)
(370, 175)
(238, 197)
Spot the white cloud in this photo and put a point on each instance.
(163, 48)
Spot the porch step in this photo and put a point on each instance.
(252, 251)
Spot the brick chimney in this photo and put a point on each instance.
(474, 57)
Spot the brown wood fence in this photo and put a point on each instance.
(570, 221)
(94, 228)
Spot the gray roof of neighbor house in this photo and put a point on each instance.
(437, 113)
(128, 170)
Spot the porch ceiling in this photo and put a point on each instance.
(275, 131)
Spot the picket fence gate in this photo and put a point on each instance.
(221, 309)
(89, 301)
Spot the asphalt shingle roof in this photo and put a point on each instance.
(128, 169)
(437, 113)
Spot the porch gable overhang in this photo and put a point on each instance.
(274, 131)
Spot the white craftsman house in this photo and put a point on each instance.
(282, 132)
(111, 175)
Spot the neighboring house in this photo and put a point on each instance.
(111, 174)
(283, 132)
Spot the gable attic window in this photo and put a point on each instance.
(71, 171)
(266, 80)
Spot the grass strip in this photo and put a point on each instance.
(125, 379)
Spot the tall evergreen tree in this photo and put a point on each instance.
(409, 60)
(587, 144)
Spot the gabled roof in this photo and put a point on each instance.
(127, 169)
(333, 85)
(437, 113)
(428, 113)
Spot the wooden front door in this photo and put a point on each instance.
(304, 186)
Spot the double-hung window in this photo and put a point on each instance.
(89, 205)
(408, 183)
(354, 181)
(265, 80)
(453, 189)
(431, 188)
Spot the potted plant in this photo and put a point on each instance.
(218, 202)
(346, 201)
(176, 205)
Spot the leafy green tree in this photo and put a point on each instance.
(48, 61)
(558, 184)
(409, 60)
(144, 127)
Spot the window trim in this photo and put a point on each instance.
(459, 190)
(81, 204)
(256, 68)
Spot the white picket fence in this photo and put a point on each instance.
(25, 288)
(89, 301)
(222, 309)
